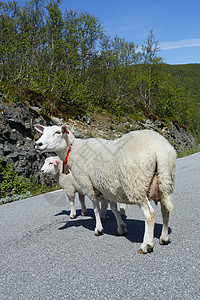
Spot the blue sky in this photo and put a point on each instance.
(176, 23)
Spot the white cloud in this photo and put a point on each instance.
(179, 44)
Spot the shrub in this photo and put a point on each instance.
(11, 183)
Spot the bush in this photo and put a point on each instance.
(11, 183)
(14, 198)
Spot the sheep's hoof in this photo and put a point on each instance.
(141, 252)
(122, 231)
(84, 213)
(149, 250)
(73, 217)
(163, 242)
(98, 233)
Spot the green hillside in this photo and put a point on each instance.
(189, 73)
(65, 63)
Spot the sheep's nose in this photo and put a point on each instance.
(39, 144)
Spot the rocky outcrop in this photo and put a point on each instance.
(17, 134)
(17, 137)
(175, 133)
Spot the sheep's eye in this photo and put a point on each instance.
(57, 132)
(50, 163)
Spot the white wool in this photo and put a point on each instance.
(121, 171)
(53, 167)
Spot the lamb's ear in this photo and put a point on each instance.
(64, 129)
(56, 163)
(39, 128)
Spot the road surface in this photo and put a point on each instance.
(45, 255)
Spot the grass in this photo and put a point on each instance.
(38, 190)
(189, 152)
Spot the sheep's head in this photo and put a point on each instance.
(51, 166)
(53, 139)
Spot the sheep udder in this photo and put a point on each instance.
(154, 191)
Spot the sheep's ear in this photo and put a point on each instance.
(64, 129)
(39, 128)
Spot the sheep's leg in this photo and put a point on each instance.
(148, 211)
(122, 210)
(121, 226)
(82, 202)
(104, 207)
(99, 228)
(72, 208)
(164, 238)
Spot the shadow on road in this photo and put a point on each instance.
(135, 227)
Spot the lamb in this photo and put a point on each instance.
(133, 169)
(53, 167)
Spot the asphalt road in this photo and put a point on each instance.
(45, 255)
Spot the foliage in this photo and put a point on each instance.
(12, 198)
(189, 152)
(11, 183)
(69, 58)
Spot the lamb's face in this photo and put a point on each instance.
(52, 139)
(50, 166)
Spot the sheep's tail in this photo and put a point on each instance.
(166, 177)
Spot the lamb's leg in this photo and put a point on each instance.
(83, 207)
(164, 238)
(122, 210)
(72, 208)
(148, 211)
(121, 226)
(99, 228)
(104, 207)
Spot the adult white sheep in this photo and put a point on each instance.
(53, 167)
(133, 169)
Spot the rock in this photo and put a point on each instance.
(57, 121)
(17, 134)
(87, 119)
(179, 137)
(35, 108)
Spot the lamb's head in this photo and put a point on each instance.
(52, 166)
(53, 139)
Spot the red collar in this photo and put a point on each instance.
(67, 157)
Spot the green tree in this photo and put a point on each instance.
(82, 34)
(149, 77)
(112, 74)
(8, 44)
(70, 55)
(54, 33)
